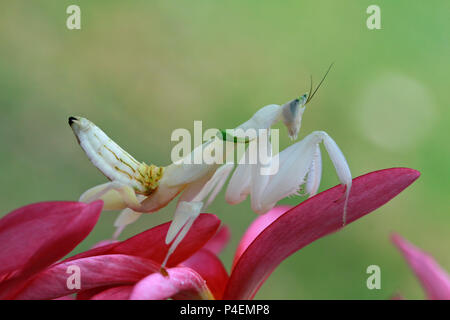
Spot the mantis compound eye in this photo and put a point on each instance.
(303, 99)
(72, 120)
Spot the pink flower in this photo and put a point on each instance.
(117, 265)
(435, 281)
(314, 218)
(35, 236)
(131, 269)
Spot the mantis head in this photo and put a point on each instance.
(292, 115)
(293, 110)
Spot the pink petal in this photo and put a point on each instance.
(309, 221)
(89, 293)
(150, 244)
(70, 297)
(210, 268)
(219, 241)
(181, 283)
(34, 236)
(435, 280)
(258, 225)
(97, 271)
(115, 293)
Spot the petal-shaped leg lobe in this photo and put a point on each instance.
(314, 174)
(184, 217)
(116, 196)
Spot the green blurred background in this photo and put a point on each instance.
(140, 69)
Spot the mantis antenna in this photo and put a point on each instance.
(310, 96)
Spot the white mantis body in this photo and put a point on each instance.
(139, 188)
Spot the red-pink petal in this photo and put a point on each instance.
(258, 225)
(219, 241)
(210, 268)
(89, 293)
(34, 236)
(181, 283)
(115, 293)
(434, 279)
(70, 297)
(150, 244)
(309, 221)
(97, 271)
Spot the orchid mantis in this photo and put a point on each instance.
(137, 188)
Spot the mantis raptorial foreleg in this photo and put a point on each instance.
(191, 203)
(297, 164)
(115, 195)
